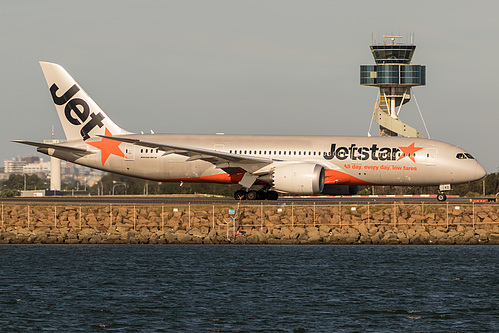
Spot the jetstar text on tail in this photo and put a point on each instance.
(80, 109)
(374, 153)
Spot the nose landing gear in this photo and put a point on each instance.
(441, 195)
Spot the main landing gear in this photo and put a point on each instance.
(255, 195)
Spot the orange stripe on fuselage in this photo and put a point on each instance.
(332, 177)
(222, 178)
(342, 178)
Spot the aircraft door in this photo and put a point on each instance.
(126, 163)
(129, 152)
(431, 156)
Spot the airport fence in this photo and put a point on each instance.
(240, 216)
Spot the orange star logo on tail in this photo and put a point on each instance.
(409, 151)
(108, 147)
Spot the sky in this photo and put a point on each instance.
(249, 67)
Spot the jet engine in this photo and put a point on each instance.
(299, 178)
(341, 189)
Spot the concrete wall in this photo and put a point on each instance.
(264, 224)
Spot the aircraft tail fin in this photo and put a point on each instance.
(80, 116)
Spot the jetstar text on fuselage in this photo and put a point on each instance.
(356, 153)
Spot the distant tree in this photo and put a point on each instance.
(33, 182)
(7, 193)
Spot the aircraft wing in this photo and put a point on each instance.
(73, 150)
(230, 163)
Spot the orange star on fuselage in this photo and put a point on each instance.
(108, 147)
(409, 151)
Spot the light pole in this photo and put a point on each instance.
(100, 188)
(117, 184)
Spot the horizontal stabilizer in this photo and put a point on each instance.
(69, 149)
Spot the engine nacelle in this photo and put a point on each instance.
(341, 189)
(299, 178)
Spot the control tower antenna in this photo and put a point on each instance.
(392, 38)
(394, 76)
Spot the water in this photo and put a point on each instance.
(249, 288)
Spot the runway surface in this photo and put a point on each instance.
(220, 200)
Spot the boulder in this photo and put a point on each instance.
(314, 236)
(389, 238)
(297, 232)
(256, 237)
(183, 237)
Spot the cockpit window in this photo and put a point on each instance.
(463, 156)
(469, 156)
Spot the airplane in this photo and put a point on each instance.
(264, 165)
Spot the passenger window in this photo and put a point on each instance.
(460, 156)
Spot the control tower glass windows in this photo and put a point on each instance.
(412, 74)
(393, 54)
(368, 74)
(388, 74)
(393, 74)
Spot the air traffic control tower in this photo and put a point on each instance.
(394, 75)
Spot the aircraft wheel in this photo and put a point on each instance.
(240, 195)
(262, 195)
(252, 195)
(441, 197)
(272, 195)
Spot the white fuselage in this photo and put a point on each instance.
(347, 160)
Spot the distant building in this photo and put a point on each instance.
(16, 164)
(34, 165)
(41, 167)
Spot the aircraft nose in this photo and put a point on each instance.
(479, 171)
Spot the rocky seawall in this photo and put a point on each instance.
(253, 224)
